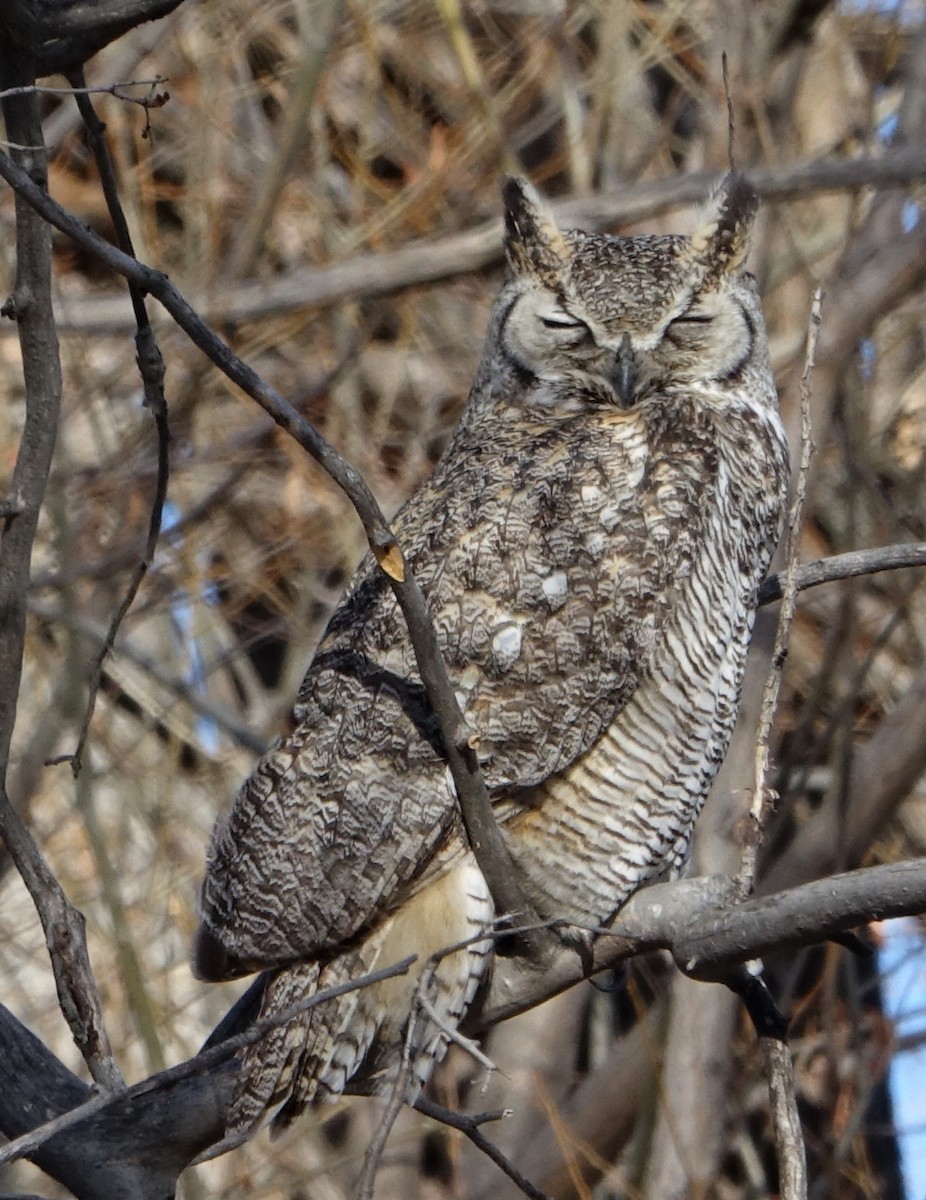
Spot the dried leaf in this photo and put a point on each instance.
(390, 559)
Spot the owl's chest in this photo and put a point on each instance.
(601, 507)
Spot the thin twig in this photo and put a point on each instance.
(316, 42)
(422, 1012)
(151, 368)
(772, 1033)
(763, 799)
(153, 100)
(453, 1034)
(181, 689)
(789, 1141)
(397, 1095)
(470, 1126)
(731, 117)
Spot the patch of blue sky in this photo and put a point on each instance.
(903, 964)
(910, 215)
(183, 619)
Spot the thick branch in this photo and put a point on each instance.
(707, 936)
(178, 1112)
(60, 35)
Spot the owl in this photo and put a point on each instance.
(590, 547)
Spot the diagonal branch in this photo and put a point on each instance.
(481, 827)
(472, 1128)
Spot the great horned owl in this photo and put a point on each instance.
(590, 547)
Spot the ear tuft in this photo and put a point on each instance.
(721, 242)
(533, 242)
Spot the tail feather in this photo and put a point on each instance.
(314, 1055)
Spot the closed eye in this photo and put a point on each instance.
(688, 331)
(564, 322)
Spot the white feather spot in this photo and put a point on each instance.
(555, 586)
(590, 494)
(470, 677)
(594, 544)
(506, 646)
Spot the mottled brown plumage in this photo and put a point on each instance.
(590, 547)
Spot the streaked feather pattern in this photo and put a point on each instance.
(591, 569)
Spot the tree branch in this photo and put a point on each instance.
(60, 35)
(168, 1119)
(846, 566)
(471, 1127)
(482, 830)
(763, 796)
(151, 369)
(434, 259)
(30, 305)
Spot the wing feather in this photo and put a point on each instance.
(549, 577)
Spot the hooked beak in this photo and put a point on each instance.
(624, 374)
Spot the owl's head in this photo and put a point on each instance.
(630, 316)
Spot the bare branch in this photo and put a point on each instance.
(184, 1107)
(481, 827)
(885, 769)
(731, 115)
(182, 689)
(434, 259)
(763, 798)
(397, 1094)
(847, 566)
(471, 1127)
(789, 1140)
(213, 1057)
(30, 304)
(151, 368)
(707, 934)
